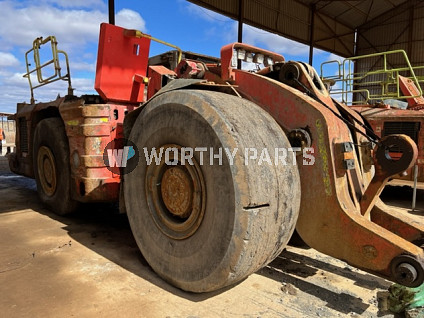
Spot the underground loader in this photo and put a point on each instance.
(216, 166)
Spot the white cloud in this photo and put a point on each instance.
(83, 85)
(335, 57)
(15, 89)
(8, 59)
(252, 35)
(73, 28)
(83, 66)
(76, 26)
(76, 3)
(205, 14)
(272, 42)
(130, 19)
(5, 73)
(16, 79)
(69, 26)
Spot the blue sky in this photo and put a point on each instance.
(75, 24)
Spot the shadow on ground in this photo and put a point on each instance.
(102, 229)
(401, 196)
(293, 268)
(99, 227)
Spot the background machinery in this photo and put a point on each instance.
(389, 97)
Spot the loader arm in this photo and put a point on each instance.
(340, 213)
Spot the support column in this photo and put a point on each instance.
(240, 27)
(240, 21)
(410, 31)
(112, 12)
(311, 34)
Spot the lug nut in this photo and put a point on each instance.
(406, 274)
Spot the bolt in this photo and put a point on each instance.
(406, 274)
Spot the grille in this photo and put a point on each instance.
(23, 135)
(410, 129)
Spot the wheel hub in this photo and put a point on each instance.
(47, 170)
(175, 194)
(407, 270)
(177, 191)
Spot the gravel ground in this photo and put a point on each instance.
(88, 265)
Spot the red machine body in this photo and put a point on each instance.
(121, 65)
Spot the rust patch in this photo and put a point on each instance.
(324, 157)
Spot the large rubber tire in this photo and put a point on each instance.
(244, 215)
(51, 166)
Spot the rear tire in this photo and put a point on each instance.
(203, 227)
(51, 166)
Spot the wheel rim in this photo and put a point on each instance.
(175, 194)
(47, 170)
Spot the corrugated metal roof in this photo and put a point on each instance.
(354, 13)
(335, 22)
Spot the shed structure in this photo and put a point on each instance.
(346, 28)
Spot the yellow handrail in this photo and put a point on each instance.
(385, 77)
(57, 75)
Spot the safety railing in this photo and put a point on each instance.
(376, 85)
(56, 74)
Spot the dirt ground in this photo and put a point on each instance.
(88, 265)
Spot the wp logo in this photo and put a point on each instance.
(121, 156)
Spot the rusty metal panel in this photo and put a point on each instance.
(410, 122)
(90, 128)
(331, 210)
